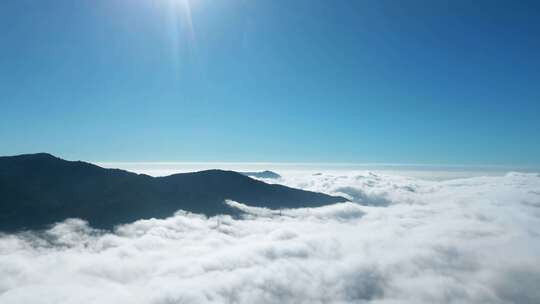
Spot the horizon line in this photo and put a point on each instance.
(339, 164)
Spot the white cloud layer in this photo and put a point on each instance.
(403, 240)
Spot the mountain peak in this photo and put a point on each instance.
(30, 156)
(262, 174)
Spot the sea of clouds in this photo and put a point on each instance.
(399, 240)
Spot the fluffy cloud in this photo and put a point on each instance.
(402, 240)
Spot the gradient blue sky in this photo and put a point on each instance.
(453, 82)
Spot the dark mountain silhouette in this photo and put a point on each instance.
(262, 174)
(40, 189)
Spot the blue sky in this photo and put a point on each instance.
(449, 82)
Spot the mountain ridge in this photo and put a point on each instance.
(39, 189)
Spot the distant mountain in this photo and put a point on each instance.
(262, 174)
(40, 189)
